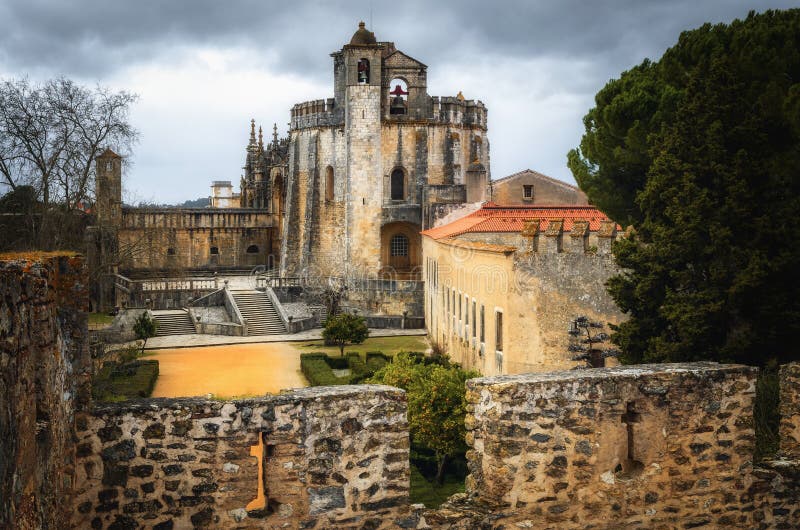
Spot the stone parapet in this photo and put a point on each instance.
(317, 457)
(636, 447)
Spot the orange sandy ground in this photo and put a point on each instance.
(228, 371)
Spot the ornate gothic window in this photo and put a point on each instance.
(398, 185)
(399, 245)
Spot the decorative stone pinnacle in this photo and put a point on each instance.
(275, 133)
(260, 138)
(252, 132)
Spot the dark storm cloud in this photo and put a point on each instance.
(92, 38)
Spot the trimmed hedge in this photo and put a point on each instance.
(377, 360)
(119, 382)
(317, 369)
(358, 369)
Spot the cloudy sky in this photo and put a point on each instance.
(203, 68)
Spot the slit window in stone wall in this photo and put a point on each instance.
(397, 185)
(329, 184)
(631, 467)
(363, 71)
(399, 245)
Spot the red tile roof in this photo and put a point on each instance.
(495, 218)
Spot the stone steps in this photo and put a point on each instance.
(261, 315)
(173, 323)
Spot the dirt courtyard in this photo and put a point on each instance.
(228, 371)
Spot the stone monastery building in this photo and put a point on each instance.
(371, 167)
(366, 184)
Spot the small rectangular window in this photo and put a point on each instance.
(474, 324)
(483, 326)
(498, 331)
(527, 192)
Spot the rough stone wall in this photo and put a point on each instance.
(44, 373)
(653, 446)
(364, 170)
(554, 289)
(332, 458)
(790, 411)
(175, 239)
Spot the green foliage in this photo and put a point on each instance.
(318, 367)
(344, 329)
(436, 396)
(22, 200)
(118, 382)
(377, 360)
(429, 493)
(318, 372)
(144, 327)
(701, 150)
(358, 368)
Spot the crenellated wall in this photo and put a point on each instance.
(332, 457)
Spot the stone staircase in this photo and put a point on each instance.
(261, 315)
(175, 322)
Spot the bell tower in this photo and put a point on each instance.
(362, 108)
(108, 183)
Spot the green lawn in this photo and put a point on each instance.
(97, 320)
(118, 382)
(387, 345)
(429, 493)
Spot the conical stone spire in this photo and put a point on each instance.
(260, 140)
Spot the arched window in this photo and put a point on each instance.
(398, 185)
(252, 249)
(399, 245)
(214, 251)
(329, 184)
(398, 97)
(363, 72)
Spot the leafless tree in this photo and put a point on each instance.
(51, 133)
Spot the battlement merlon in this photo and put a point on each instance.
(440, 110)
(579, 240)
